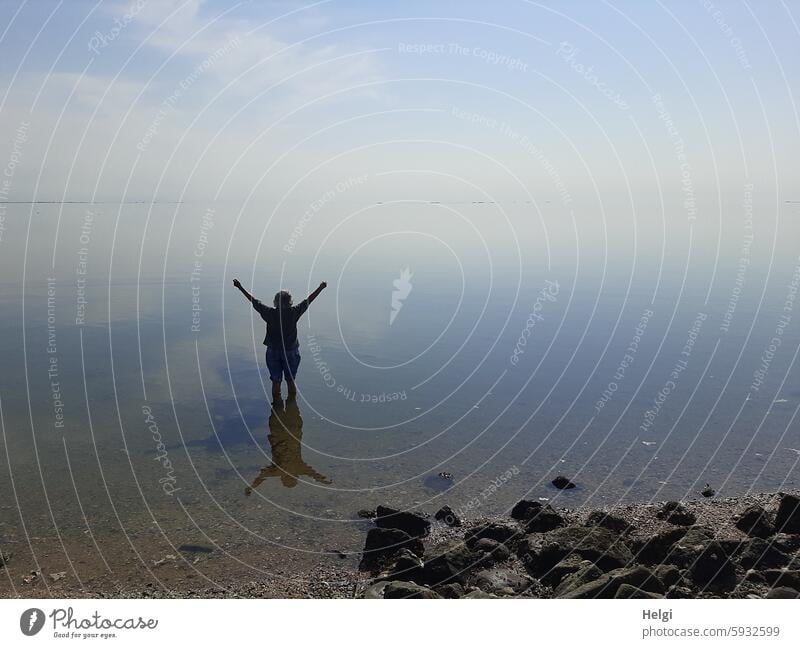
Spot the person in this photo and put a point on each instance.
(285, 440)
(283, 349)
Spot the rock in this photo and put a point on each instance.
(759, 554)
(786, 542)
(562, 483)
(601, 546)
(569, 565)
(492, 551)
(57, 576)
(413, 524)
(626, 591)
(498, 531)
(781, 577)
(782, 593)
(586, 573)
(406, 590)
(706, 562)
(5, 558)
(404, 565)
(608, 521)
(708, 491)
(446, 515)
(381, 544)
(480, 594)
(606, 586)
(679, 592)
(787, 519)
(676, 513)
(366, 513)
(501, 581)
(657, 547)
(375, 591)
(450, 591)
(536, 516)
(667, 574)
(451, 562)
(754, 521)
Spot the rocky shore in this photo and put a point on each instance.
(713, 548)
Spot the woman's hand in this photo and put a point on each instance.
(323, 285)
(237, 284)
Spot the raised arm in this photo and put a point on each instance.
(247, 295)
(316, 293)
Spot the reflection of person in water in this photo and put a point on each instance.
(285, 437)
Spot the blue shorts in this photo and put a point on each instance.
(282, 363)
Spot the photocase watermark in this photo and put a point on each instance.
(197, 267)
(760, 374)
(101, 40)
(744, 260)
(168, 105)
(523, 141)
(402, 289)
(458, 49)
(734, 41)
(568, 53)
(6, 182)
(546, 294)
(341, 187)
(625, 363)
(671, 384)
(687, 186)
(66, 625)
(82, 268)
(162, 456)
(56, 395)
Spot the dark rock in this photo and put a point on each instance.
(606, 586)
(786, 542)
(754, 576)
(498, 531)
(366, 513)
(375, 591)
(782, 593)
(754, 521)
(760, 554)
(656, 548)
(626, 591)
(782, 577)
(608, 521)
(406, 590)
(708, 491)
(501, 581)
(600, 546)
(586, 573)
(787, 519)
(667, 574)
(404, 565)
(451, 562)
(480, 594)
(676, 513)
(413, 524)
(450, 591)
(381, 544)
(537, 517)
(446, 515)
(562, 483)
(679, 592)
(569, 565)
(707, 564)
(492, 551)
(5, 558)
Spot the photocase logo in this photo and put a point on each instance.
(31, 621)
(402, 289)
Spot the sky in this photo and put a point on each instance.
(220, 100)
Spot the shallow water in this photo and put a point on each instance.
(528, 343)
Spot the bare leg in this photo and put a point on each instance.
(292, 387)
(276, 390)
